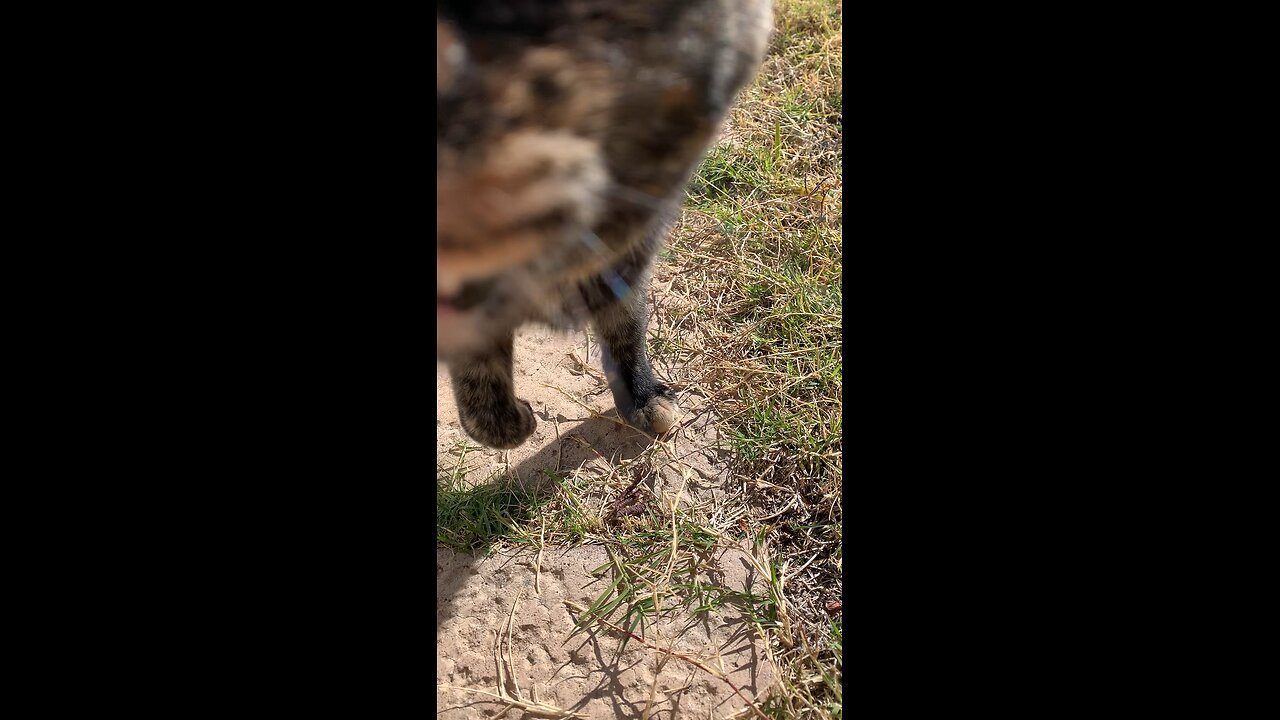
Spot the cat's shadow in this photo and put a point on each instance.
(599, 439)
(604, 438)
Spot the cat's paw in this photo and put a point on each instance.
(658, 415)
(502, 430)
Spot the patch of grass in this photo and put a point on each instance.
(655, 571)
(761, 236)
(473, 516)
(505, 511)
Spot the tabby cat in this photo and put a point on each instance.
(565, 133)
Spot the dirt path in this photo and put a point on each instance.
(579, 434)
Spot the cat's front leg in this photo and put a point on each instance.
(485, 392)
(639, 397)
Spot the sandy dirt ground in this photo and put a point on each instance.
(584, 673)
(579, 434)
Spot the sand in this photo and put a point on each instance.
(585, 674)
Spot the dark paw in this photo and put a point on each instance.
(658, 415)
(503, 430)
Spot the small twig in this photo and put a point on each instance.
(559, 445)
(796, 572)
(537, 562)
(497, 661)
(511, 666)
(535, 709)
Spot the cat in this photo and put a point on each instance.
(566, 131)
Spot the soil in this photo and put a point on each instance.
(579, 433)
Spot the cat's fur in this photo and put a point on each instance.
(566, 131)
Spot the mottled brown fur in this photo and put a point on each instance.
(566, 130)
